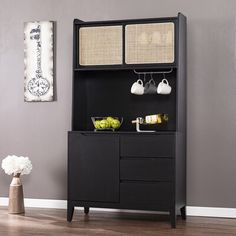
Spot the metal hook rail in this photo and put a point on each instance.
(153, 72)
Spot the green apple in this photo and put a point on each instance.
(104, 124)
(115, 124)
(110, 119)
(97, 124)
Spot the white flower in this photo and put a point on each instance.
(13, 165)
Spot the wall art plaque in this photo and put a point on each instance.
(38, 60)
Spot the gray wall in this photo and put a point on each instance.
(39, 130)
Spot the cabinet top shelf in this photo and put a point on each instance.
(133, 44)
(123, 21)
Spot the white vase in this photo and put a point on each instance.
(16, 197)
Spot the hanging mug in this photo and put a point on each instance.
(137, 87)
(164, 87)
(150, 87)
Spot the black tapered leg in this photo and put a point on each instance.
(172, 218)
(183, 212)
(70, 211)
(86, 210)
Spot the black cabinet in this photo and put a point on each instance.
(126, 169)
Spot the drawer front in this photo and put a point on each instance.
(147, 146)
(148, 169)
(146, 196)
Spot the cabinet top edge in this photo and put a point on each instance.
(123, 21)
(124, 132)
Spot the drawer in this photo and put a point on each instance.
(148, 169)
(146, 196)
(147, 145)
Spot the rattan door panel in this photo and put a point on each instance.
(149, 43)
(100, 45)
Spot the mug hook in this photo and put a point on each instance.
(152, 80)
(152, 75)
(164, 76)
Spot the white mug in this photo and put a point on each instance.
(164, 87)
(137, 87)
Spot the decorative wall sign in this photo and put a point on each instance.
(38, 59)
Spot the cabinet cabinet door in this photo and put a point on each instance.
(93, 167)
(149, 43)
(100, 45)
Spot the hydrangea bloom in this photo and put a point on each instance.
(13, 165)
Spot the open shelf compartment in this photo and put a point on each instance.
(107, 93)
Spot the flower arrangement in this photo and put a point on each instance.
(16, 166)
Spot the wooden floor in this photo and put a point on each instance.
(53, 222)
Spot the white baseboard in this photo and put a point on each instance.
(40, 203)
(191, 210)
(211, 212)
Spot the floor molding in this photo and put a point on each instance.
(40, 203)
(211, 211)
(191, 210)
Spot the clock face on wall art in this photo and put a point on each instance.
(38, 87)
(38, 61)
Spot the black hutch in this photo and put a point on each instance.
(126, 169)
